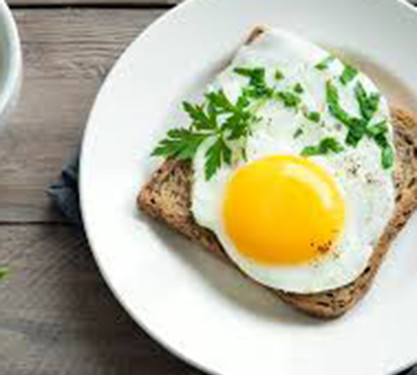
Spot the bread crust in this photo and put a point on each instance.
(166, 197)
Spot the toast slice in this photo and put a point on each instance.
(166, 197)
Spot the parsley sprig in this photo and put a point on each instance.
(182, 143)
(222, 122)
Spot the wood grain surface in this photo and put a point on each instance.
(111, 3)
(67, 54)
(57, 316)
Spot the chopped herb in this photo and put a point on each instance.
(357, 130)
(368, 104)
(381, 140)
(4, 271)
(298, 88)
(288, 98)
(256, 75)
(257, 84)
(387, 157)
(258, 92)
(311, 150)
(220, 121)
(298, 132)
(324, 64)
(377, 129)
(387, 153)
(358, 127)
(279, 75)
(313, 116)
(325, 146)
(244, 156)
(348, 74)
(332, 98)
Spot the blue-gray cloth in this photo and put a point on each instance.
(64, 194)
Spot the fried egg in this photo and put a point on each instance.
(296, 222)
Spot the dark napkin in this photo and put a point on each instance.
(64, 195)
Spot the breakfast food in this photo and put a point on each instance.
(295, 168)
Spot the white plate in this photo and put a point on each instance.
(194, 304)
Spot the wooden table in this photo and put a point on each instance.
(57, 316)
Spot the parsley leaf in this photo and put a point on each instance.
(200, 120)
(368, 104)
(381, 140)
(257, 83)
(348, 74)
(324, 64)
(219, 102)
(387, 152)
(358, 127)
(219, 119)
(258, 92)
(298, 88)
(242, 102)
(332, 98)
(4, 272)
(180, 143)
(216, 155)
(312, 116)
(244, 156)
(387, 157)
(278, 75)
(256, 75)
(325, 146)
(298, 132)
(238, 125)
(377, 129)
(288, 98)
(356, 131)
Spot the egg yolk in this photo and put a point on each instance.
(283, 210)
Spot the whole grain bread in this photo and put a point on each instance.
(166, 197)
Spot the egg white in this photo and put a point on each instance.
(367, 188)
